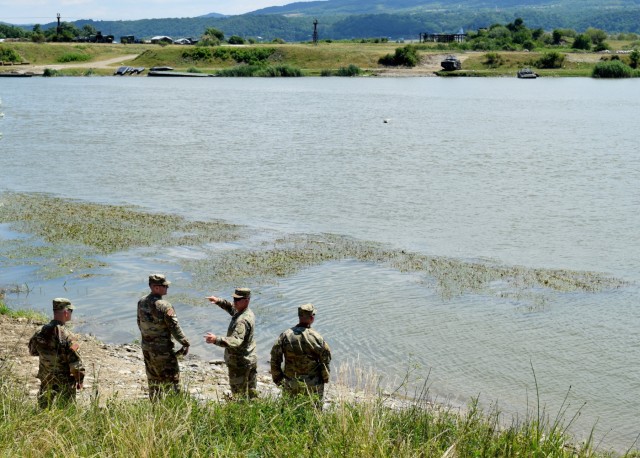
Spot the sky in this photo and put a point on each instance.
(45, 11)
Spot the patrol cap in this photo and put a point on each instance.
(61, 303)
(241, 293)
(158, 279)
(306, 310)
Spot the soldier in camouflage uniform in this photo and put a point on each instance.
(157, 322)
(60, 369)
(306, 358)
(239, 344)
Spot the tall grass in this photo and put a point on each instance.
(270, 427)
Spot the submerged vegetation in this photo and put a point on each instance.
(105, 228)
(76, 231)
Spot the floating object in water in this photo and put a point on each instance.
(386, 120)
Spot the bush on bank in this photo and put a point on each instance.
(613, 69)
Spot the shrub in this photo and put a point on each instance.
(251, 56)
(194, 70)
(9, 55)
(582, 41)
(235, 40)
(73, 57)
(279, 71)
(326, 72)
(197, 53)
(634, 58)
(406, 56)
(612, 69)
(493, 60)
(351, 70)
(50, 72)
(551, 59)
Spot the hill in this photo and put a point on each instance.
(394, 19)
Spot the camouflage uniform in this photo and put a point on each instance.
(60, 367)
(240, 348)
(157, 322)
(306, 359)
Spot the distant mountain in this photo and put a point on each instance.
(394, 19)
(213, 15)
(329, 7)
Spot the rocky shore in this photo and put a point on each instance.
(117, 371)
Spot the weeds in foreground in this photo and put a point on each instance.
(270, 427)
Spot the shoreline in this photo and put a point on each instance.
(116, 371)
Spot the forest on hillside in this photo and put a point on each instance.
(267, 27)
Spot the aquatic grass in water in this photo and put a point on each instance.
(105, 228)
(286, 256)
(79, 230)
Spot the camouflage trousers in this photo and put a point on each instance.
(312, 386)
(163, 373)
(243, 380)
(55, 391)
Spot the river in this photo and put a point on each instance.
(498, 171)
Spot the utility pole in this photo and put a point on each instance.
(315, 31)
(59, 28)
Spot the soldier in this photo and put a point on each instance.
(60, 370)
(306, 358)
(239, 344)
(157, 322)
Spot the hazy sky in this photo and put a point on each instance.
(44, 11)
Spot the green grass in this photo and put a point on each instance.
(30, 315)
(181, 426)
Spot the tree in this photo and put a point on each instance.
(634, 58)
(235, 40)
(582, 41)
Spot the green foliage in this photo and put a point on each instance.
(250, 56)
(198, 53)
(612, 69)
(350, 70)
(582, 41)
(261, 71)
(406, 57)
(30, 315)
(267, 427)
(551, 59)
(9, 55)
(73, 57)
(50, 72)
(194, 70)
(634, 58)
(214, 33)
(10, 31)
(235, 40)
(493, 60)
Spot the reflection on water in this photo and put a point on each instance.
(489, 172)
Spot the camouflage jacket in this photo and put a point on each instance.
(306, 355)
(157, 322)
(58, 352)
(240, 344)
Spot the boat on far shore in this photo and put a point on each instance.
(527, 73)
(17, 74)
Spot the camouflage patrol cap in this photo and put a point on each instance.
(158, 279)
(241, 293)
(306, 310)
(61, 303)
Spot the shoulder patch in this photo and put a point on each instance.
(171, 312)
(74, 346)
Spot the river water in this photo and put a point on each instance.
(540, 174)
